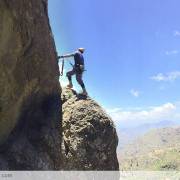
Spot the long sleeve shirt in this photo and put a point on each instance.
(78, 58)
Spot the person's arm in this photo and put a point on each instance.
(66, 56)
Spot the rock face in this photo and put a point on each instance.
(30, 106)
(89, 136)
(30, 102)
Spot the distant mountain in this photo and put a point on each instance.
(159, 149)
(128, 134)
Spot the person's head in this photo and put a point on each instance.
(81, 50)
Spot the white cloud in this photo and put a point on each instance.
(171, 76)
(162, 88)
(176, 33)
(114, 110)
(167, 111)
(134, 93)
(172, 52)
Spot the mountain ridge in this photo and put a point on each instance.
(158, 149)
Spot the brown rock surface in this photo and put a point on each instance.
(89, 135)
(30, 102)
(29, 88)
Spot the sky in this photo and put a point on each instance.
(132, 54)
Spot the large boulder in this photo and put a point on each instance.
(30, 102)
(30, 106)
(89, 135)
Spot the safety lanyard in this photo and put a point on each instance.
(62, 68)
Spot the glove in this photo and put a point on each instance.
(60, 57)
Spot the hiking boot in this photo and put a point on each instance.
(84, 93)
(69, 86)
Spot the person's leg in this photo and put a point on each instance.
(69, 76)
(81, 83)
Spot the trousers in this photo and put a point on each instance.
(76, 71)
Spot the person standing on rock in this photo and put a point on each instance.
(78, 68)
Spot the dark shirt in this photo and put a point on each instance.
(79, 59)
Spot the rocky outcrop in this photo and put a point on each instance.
(30, 107)
(89, 135)
(30, 102)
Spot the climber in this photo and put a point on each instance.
(78, 69)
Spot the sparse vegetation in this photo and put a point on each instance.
(157, 150)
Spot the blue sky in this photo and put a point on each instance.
(132, 52)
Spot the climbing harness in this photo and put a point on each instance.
(74, 66)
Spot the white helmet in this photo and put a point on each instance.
(81, 50)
